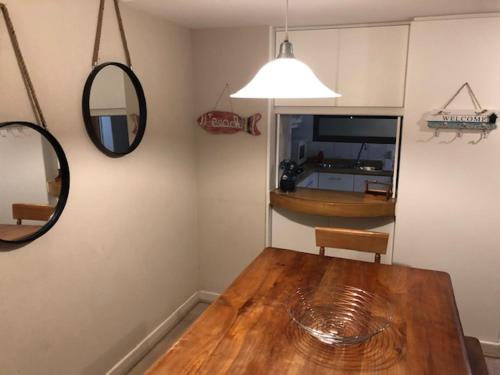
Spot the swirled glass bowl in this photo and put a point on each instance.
(343, 315)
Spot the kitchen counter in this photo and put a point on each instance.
(310, 168)
(334, 203)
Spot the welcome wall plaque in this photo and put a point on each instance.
(477, 119)
(463, 120)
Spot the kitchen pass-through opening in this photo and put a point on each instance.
(341, 152)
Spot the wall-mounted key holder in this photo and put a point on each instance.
(478, 119)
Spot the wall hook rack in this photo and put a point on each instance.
(478, 119)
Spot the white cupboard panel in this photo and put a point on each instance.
(372, 66)
(336, 181)
(305, 182)
(319, 50)
(314, 181)
(310, 181)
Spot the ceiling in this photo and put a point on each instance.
(231, 13)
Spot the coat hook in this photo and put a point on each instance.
(481, 137)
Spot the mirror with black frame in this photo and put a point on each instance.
(114, 109)
(34, 185)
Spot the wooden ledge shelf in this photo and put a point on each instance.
(334, 203)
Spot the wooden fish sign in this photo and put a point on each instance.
(463, 120)
(218, 122)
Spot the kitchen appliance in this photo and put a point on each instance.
(289, 177)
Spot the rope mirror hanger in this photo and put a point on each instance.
(97, 44)
(113, 103)
(30, 89)
(53, 188)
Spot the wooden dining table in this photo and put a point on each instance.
(248, 330)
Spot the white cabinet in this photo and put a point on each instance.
(366, 65)
(336, 181)
(340, 181)
(360, 181)
(310, 181)
(372, 66)
(319, 50)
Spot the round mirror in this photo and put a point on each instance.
(34, 185)
(114, 109)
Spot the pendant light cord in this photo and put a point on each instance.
(35, 104)
(286, 22)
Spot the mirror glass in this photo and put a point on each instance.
(32, 182)
(115, 119)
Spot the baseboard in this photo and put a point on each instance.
(207, 297)
(141, 349)
(491, 349)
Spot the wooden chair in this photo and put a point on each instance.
(352, 239)
(476, 357)
(378, 188)
(21, 211)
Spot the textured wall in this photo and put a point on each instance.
(231, 168)
(124, 253)
(447, 212)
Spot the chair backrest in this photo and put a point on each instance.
(378, 188)
(352, 239)
(22, 211)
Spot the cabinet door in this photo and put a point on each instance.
(336, 181)
(305, 182)
(314, 180)
(319, 50)
(372, 66)
(360, 181)
(310, 181)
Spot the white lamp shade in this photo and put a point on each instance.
(285, 78)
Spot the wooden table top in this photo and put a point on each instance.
(11, 232)
(334, 203)
(247, 330)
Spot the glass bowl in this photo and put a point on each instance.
(343, 315)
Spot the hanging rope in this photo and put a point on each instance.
(97, 43)
(473, 97)
(35, 104)
(227, 89)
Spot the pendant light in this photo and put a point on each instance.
(285, 78)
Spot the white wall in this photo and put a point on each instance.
(108, 89)
(231, 168)
(23, 178)
(124, 254)
(447, 211)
